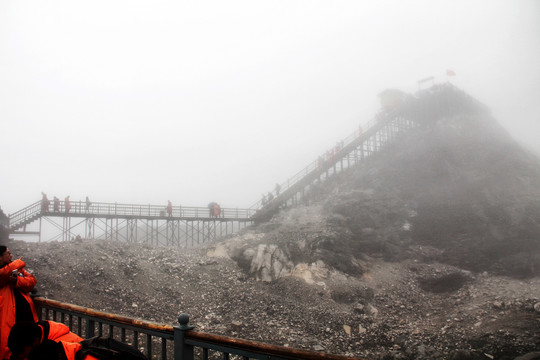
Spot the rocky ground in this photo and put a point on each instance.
(398, 310)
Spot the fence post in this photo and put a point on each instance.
(182, 351)
(90, 328)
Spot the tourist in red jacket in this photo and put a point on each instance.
(102, 348)
(24, 336)
(15, 302)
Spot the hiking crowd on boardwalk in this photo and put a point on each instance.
(46, 203)
(24, 336)
(214, 209)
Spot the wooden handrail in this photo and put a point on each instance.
(140, 211)
(102, 315)
(194, 337)
(262, 348)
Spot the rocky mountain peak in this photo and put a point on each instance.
(460, 185)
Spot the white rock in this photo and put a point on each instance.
(372, 310)
(361, 330)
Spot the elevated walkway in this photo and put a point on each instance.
(34, 211)
(184, 226)
(426, 107)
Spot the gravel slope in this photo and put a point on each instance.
(385, 312)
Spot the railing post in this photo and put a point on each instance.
(182, 351)
(90, 328)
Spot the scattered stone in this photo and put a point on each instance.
(498, 305)
(359, 308)
(372, 311)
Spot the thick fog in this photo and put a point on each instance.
(149, 101)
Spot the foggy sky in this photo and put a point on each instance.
(149, 101)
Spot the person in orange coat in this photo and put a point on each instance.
(169, 208)
(15, 302)
(24, 336)
(217, 210)
(67, 204)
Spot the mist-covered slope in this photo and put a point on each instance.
(464, 186)
(461, 186)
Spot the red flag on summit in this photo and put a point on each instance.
(450, 73)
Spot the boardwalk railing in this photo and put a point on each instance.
(21, 217)
(104, 209)
(313, 166)
(158, 341)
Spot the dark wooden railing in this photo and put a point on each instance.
(159, 341)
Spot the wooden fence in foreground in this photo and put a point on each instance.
(159, 341)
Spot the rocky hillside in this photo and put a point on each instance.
(428, 250)
(461, 186)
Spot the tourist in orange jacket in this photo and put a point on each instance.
(24, 336)
(15, 303)
(85, 350)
